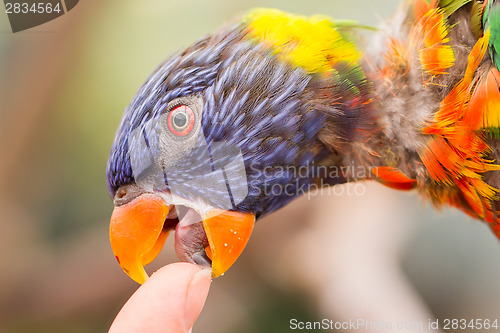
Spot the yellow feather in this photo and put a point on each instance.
(313, 43)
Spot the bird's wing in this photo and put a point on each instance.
(458, 155)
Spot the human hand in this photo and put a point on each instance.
(169, 301)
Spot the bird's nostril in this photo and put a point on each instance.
(126, 194)
(121, 193)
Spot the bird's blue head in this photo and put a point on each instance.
(220, 134)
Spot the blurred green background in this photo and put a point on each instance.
(385, 256)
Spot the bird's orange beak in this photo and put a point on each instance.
(137, 235)
(228, 233)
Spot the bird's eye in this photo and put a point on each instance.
(180, 120)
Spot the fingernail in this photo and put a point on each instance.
(196, 295)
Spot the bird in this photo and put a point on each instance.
(274, 105)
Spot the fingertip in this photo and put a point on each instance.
(169, 301)
(180, 268)
(196, 295)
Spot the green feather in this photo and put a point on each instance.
(476, 14)
(352, 24)
(491, 20)
(476, 19)
(451, 6)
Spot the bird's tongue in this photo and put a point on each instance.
(191, 239)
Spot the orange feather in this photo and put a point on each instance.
(455, 154)
(393, 178)
(485, 102)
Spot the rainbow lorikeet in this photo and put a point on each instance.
(250, 117)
